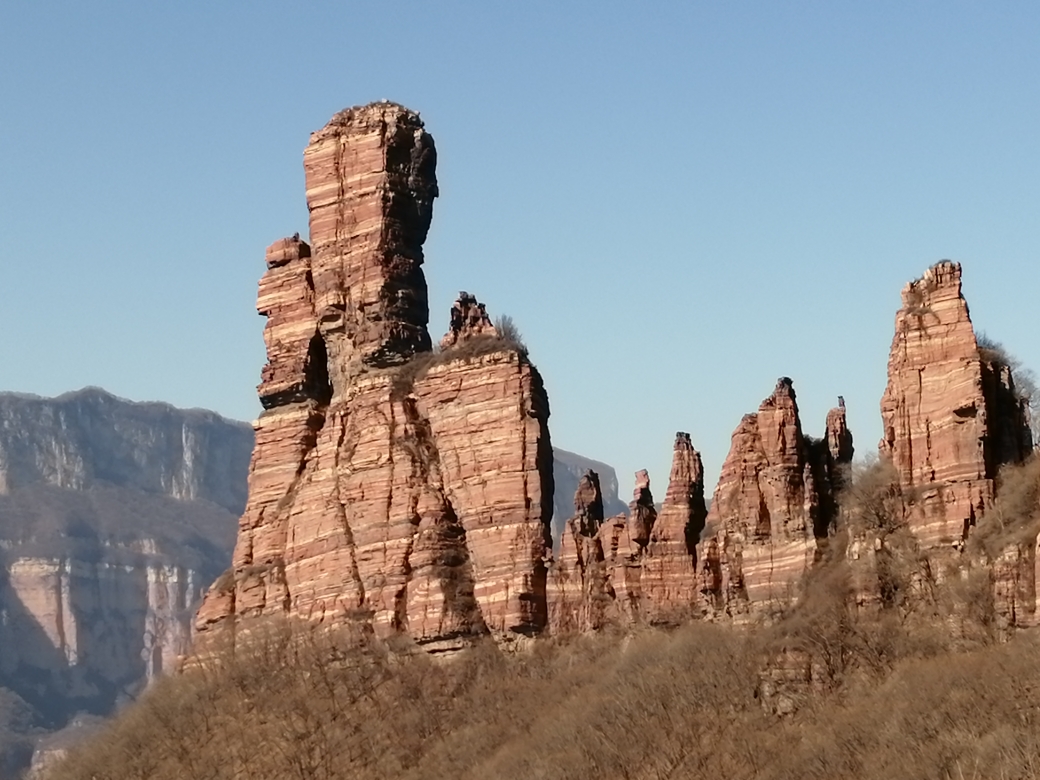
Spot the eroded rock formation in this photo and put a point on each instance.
(568, 469)
(952, 419)
(670, 565)
(389, 486)
(951, 416)
(580, 594)
(773, 502)
(635, 568)
(114, 516)
(469, 319)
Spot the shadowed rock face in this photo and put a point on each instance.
(113, 518)
(773, 501)
(568, 469)
(390, 486)
(951, 417)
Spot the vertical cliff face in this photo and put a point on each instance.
(406, 490)
(113, 517)
(371, 182)
(950, 412)
(773, 502)
(91, 438)
(952, 418)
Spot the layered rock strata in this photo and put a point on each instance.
(952, 419)
(568, 469)
(639, 568)
(951, 416)
(773, 507)
(114, 516)
(670, 565)
(407, 491)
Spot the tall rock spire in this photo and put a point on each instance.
(670, 576)
(408, 492)
(950, 415)
(773, 502)
(371, 180)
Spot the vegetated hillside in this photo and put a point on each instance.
(114, 516)
(914, 684)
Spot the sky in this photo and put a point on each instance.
(677, 203)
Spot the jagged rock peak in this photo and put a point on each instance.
(950, 417)
(774, 500)
(685, 494)
(670, 564)
(588, 504)
(371, 180)
(469, 318)
(839, 437)
(642, 513)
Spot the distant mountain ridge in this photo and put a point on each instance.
(114, 516)
(568, 469)
(90, 437)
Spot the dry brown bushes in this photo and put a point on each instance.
(649, 705)
(884, 688)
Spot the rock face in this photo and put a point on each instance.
(635, 569)
(950, 412)
(952, 418)
(581, 594)
(773, 502)
(670, 567)
(90, 438)
(568, 469)
(408, 491)
(114, 517)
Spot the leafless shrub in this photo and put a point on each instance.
(292, 702)
(508, 331)
(1014, 517)
(1026, 385)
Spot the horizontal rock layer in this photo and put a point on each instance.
(390, 486)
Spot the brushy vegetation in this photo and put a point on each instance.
(654, 705)
(1027, 388)
(912, 685)
(508, 339)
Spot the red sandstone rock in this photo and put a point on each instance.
(370, 187)
(405, 491)
(773, 501)
(636, 569)
(580, 594)
(468, 319)
(950, 417)
(670, 564)
(642, 513)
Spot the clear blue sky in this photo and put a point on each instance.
(676, 202)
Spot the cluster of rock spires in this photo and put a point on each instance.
(412, 491)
